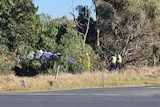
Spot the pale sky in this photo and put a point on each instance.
(60, 8)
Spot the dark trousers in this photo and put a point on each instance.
(119, 66)
(112, 66)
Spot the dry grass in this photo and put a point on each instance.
(132, 76)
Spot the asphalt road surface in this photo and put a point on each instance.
(99, 97)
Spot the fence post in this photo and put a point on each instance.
(103, 78)
(57, 71)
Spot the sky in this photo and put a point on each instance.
(60, 8)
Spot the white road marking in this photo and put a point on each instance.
(153, 87)
(143, 93)
(52, 94)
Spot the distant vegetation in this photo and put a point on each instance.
(130, 27)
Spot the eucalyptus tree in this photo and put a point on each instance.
(86, 25)
(127, 26)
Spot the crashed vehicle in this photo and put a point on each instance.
(36, 62)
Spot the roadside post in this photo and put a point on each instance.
(103, 78)
(24, 84)
(57, 71)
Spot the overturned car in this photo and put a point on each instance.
(37, 62)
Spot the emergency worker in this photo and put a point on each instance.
(88, 62)
(113, 62)
(119, 62)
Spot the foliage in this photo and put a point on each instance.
(18, 23)
(86, 25)
(129, 28)
(71, 45)
(5, 66)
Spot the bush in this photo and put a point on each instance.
(71, 45)
(5, 67)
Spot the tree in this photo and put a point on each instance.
(49, 31)
(64, 25)
(121, 24)
(85, 24)
(71, 44)
(19, 22)
(52, 31)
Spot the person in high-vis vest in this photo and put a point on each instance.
(119, 62)
(88, 62)
(113, 62)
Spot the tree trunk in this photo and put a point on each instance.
(98, 41)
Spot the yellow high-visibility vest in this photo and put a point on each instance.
(114, 59)
(89, 62)
(119, 59)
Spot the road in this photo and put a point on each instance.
(97, 97)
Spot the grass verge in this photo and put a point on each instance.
(131, 76)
